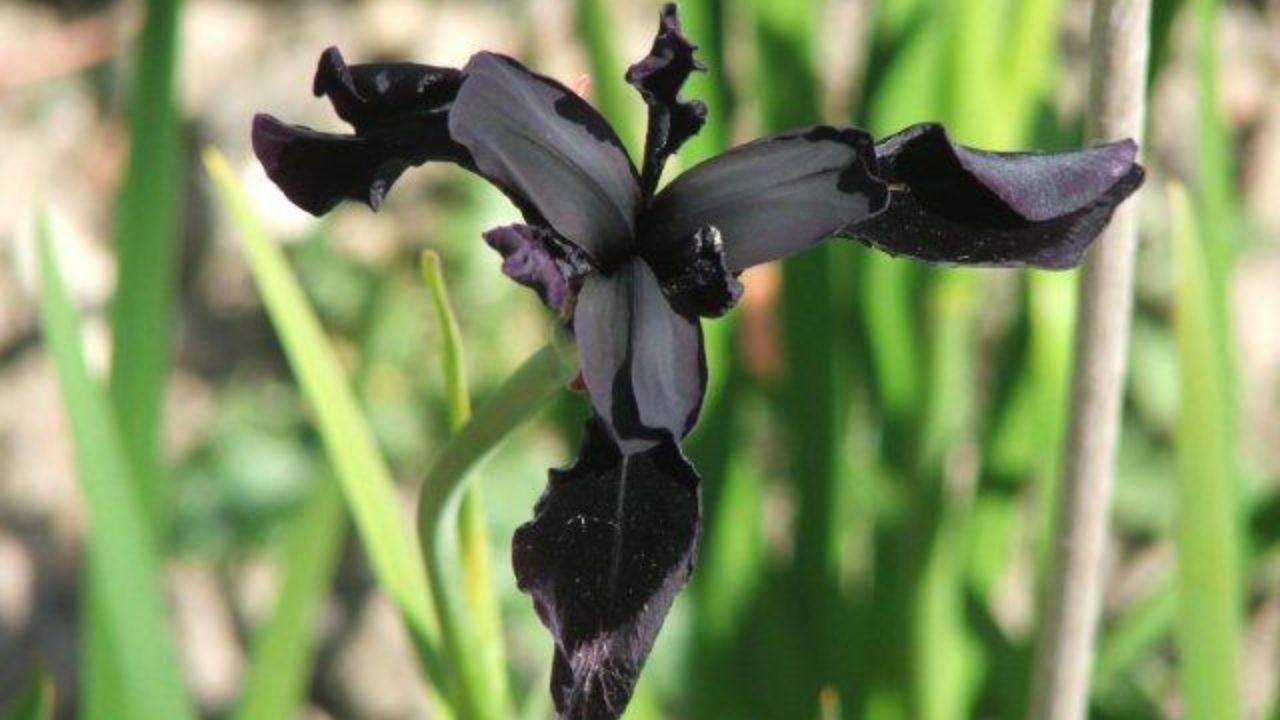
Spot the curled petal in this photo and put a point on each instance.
(612, 542)
(659, 77)
(549, 151)
(643, 363)
(368, 95)
(954, 204)
(534, 257)
(695, 279)
(769, 198)
(400, 112)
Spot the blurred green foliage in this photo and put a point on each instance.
(880, 446)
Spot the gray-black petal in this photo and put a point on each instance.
(658, 77)
(538, 259)
(643, 363)
(953, 204)
(770, 198)
(612, 542)
(400, 113)
(694, 277)
(550, 151)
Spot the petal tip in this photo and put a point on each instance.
(329, 69)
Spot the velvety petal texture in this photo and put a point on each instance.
(551, 152)
(400, 113)
(954, 204)
(659, 77)
(536, 258)
(770, 198)
(695, 278)
(612, 541)
(644, 364)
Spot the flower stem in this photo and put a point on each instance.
(1118, 70)
(527, 390)
(483, 640)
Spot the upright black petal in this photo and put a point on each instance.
(550, 151)
(536, 258)
(400, 112)
(612, 541)
(954, 204)
(643, 363)
(694, 276)
(659, 77)
(769, 198)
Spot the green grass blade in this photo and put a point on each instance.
(122, 553)
(597, 30)
(473, 636)
(812, 398)
(35, 701)
(99, 685)
(1209, 599)
(146, 242)
(531, 387)
(367, 485)
(284, 651)
(704, 24)
(1214, 186)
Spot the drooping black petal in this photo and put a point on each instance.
(643, 363)
(550, 151)
(373, 95)
(769, 198)
(612, 541)
(659, 77)
(400, 112)
(536, 258)
(954, 204)
(694, 276)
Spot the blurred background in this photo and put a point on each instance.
(881, 446)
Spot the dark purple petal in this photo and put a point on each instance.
(550, 152)
(659, 77)
(536, 258)
(769, 198)
(954, 204)
(612, 541)
(695, 278)
(370, 95)
(400, 112)
(643, 363)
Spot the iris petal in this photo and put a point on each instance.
(536, 258)
(367, 94)
(695, 279)
(954, 204)
(550, 151)
(400, 112)
(643, 363)
(612, 542)
(659, 77)
(769, 198)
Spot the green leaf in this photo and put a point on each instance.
(284, 648)
(1208, 518)
(36, 700)
(597, 30)
(531, 387)
(122, 556)
(366, 482)
(146, 243)
(470, 621)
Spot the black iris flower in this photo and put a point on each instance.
(631, 268)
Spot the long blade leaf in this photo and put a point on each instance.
(366, 482)
(122, 554)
